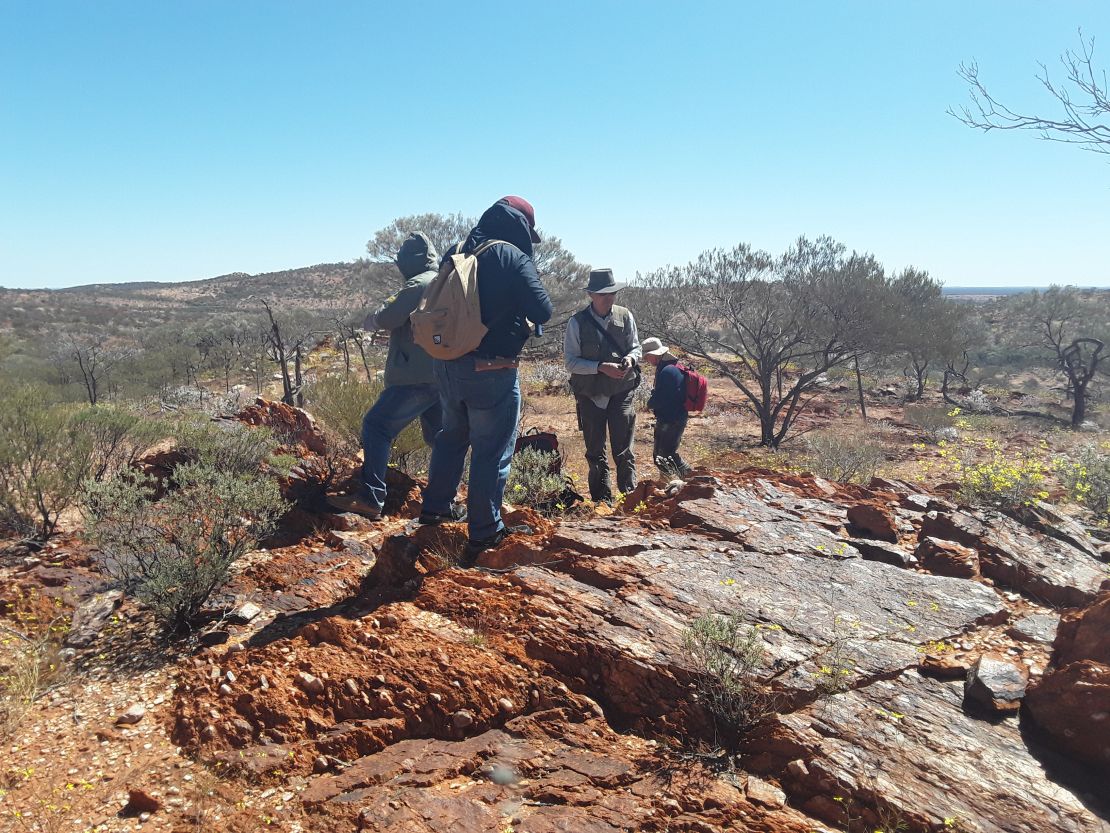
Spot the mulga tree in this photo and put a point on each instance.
(773, 327)
(1070, 326)
(923, 327)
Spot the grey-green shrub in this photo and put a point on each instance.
(933, 421)
(173, 552)
(535, 480)
(726, 655)
(844, 454)
(229, 446)
(48, 450)
(1086, 475)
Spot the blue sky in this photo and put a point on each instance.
(175, 141)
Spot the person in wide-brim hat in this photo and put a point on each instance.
(668, 403)
(602, 353)
(603, 283)
(654, 347)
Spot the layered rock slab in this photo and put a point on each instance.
(904, 748)
(541, 773)
(617, 623)
(1040, 565)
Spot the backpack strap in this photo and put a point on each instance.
(488, 244)
(589, 316)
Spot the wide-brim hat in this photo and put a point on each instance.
(602, 282)
(654, 347)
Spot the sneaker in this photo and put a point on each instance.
(476, 548)
(359, 504)
(457, 513)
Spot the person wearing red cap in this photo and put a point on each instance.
(480, 392)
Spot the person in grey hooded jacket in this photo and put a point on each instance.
(410, 391)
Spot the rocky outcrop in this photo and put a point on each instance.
(904, 749)
(873, 522)
(1042, 566)
(292, 427)
(1072, 702)
(556, 689)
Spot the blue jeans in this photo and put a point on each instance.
(397, 406)
(480, 412)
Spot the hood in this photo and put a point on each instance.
(502, 222)
(416, 255)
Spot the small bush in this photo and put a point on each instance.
(640, 397)
(978, 401)
(30, 655)
(173, 553)
(535, 480)
(1086, 476)
(549, 377)
(340, 404)
(47, 450)
(726, 655)
(410, 453)
(844, 454)
(1005, 481)
(934, 421)
(116, 437)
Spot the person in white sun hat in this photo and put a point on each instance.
(668, 403)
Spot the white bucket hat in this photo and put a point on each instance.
(654, 347)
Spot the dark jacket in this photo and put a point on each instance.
(509, 287)
(668, 397)
(407, 363)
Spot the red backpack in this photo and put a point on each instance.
(697, 388)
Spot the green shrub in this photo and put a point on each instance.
(535, 480)
(229, 446)
(47, 450)
(410, 453)
(991, 475)
(844, 454)
(1086, 475)
(339, 406)
(726, 656)
(934, 421)
(173, 552)
(116, 437)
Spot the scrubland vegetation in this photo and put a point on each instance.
(806, 341)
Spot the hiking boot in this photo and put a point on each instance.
(475, 548)
(457, 514)
(359, 504)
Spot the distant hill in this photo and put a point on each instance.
(123, 306)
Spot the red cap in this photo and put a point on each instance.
(524, 207)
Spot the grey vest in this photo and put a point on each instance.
(595, 346)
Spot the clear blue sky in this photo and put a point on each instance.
(183, 140)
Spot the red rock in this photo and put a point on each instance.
(1072, 705)
(945, 666)
(947, 558)
(287, 423)
(873, 522)
(140, 801)
(1085, 634)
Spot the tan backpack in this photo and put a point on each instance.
(447, 323)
